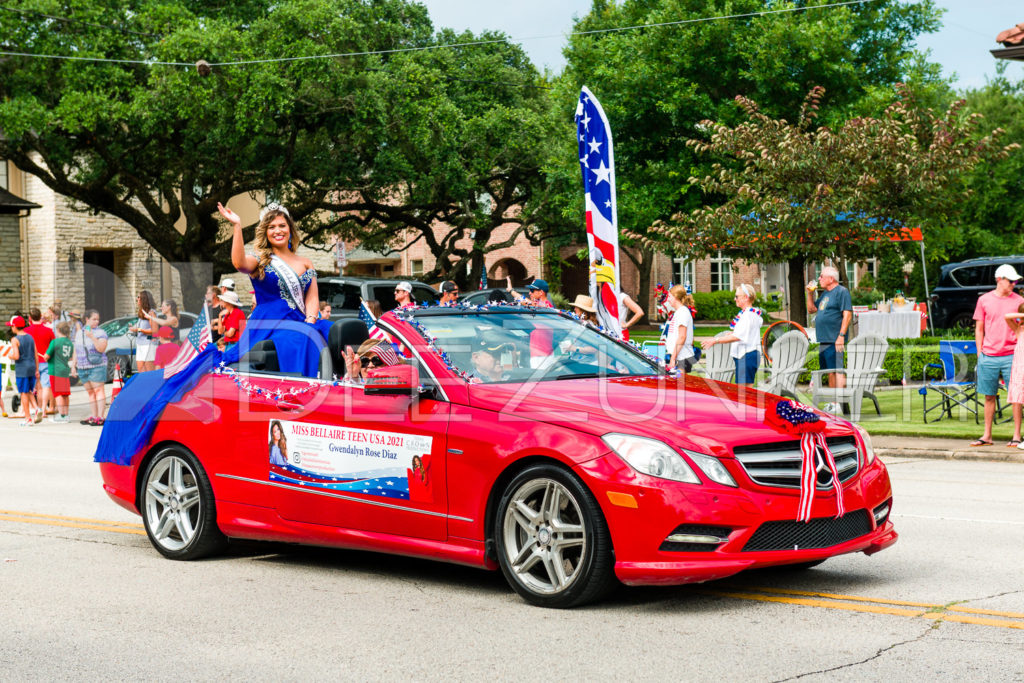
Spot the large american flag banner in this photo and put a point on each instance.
(597, 162)
(194, 343)
(387, 350)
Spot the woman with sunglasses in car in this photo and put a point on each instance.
(372, 353)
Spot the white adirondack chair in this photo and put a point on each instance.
(789, 356)
(864, 358)
(718, 364)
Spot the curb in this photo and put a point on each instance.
(978, 454)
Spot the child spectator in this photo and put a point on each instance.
(234, 318)
(325, 310)
(42, 336)
(26, 370)
(60, 357)
(167, 350)
(91, 360)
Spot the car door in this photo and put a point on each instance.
(369, 462)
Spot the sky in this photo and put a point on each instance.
(961, 46)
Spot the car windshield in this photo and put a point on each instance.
(519, 346)
(117, 326)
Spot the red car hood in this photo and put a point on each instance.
(695, 413)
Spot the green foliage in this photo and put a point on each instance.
(714, 305)
(865, 297)
(659, 84)
(368, 146)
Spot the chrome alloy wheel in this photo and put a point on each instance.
(173, 506)
(544, 536)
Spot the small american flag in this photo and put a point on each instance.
(387, 350)
(483, 274)
(194, 344)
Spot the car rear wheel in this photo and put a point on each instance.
(178, 507)
(552, 540)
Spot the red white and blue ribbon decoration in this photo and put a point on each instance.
(597, 162)
(799, 420)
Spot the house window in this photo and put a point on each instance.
(721, 273)
(416, 267)
(872, 267)
(851, 274)
(682, 272)
(3, 175)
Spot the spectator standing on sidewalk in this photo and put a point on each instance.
(834, 309)
(234, 318)
(145, 345)
(213, 304)
(26, 369)
(167, 351)
(91, 362)
(996, 341)
(42, 336)
(60, 356)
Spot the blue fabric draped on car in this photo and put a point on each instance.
(278, 316)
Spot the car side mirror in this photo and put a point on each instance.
(398, 380)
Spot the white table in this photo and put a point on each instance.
(894, 325)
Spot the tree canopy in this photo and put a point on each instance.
(799, 193)
(657, 84)
(362, 144)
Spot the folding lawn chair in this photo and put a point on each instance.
(654, 348)
(958, 384)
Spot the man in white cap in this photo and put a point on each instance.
(227, 285)
(403, 295)
(995, 341)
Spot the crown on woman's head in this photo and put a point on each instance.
(271, 208)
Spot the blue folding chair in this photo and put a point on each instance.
(654, 348)
(957, 386)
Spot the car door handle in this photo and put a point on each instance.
(289, 407)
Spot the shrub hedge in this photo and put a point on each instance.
(910, 356)
(720, 305)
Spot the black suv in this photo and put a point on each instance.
(960, 285)
(343, 293)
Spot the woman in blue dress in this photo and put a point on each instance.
(287, 299)
(286, 312)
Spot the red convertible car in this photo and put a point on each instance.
(514, 438)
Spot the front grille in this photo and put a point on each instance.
(822, 532)
(696, 530)
(778, 464)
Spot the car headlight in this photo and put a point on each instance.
(712, 467)
(869, 450)
(652, 457)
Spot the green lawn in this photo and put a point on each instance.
(902, 415)
(700, 332)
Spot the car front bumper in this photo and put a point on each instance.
(757, 524)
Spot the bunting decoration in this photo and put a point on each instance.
(799, 420)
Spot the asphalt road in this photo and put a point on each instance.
(84, 596)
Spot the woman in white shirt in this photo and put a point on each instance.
(679, 331)
(745, 336)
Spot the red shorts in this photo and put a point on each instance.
(61, 386)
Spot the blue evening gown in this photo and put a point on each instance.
(277, 316)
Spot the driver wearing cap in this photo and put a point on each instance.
(486, 358)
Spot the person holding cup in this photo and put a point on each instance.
(834, 309)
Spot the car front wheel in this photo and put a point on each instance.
(178, 507)
(552, 540)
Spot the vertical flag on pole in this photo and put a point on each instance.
(597, 162)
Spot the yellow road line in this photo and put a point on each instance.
(855, 603)
(851, 603)
(65, 518)
(71, 522)
(839, 596)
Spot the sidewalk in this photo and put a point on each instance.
(944, 449)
